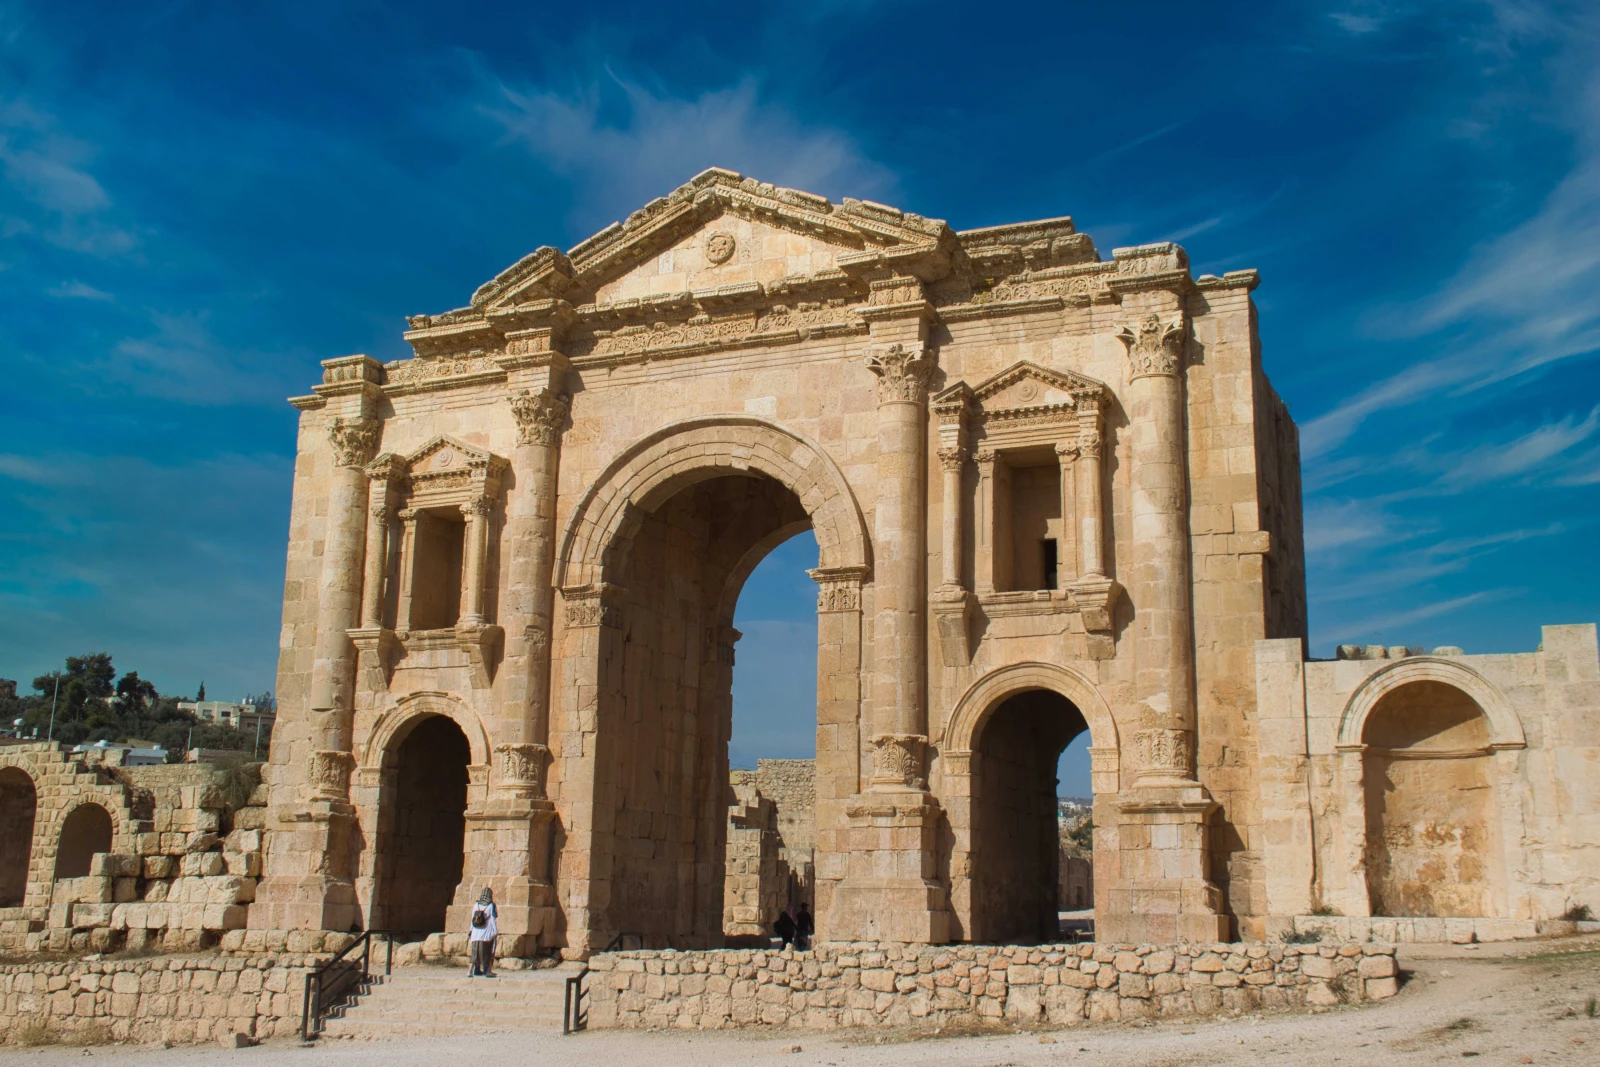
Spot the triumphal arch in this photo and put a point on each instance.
(1051, 491)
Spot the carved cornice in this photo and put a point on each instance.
(539, 417)
(593, 605)
(1155, 345)
(354, 441)
(902, 371)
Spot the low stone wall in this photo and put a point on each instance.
(1455, 931)
(179, 1000)
(923, 987)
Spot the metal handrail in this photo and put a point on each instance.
(328, 993)
(573, 1016)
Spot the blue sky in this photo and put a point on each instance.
(199, 200)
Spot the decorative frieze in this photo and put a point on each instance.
(838, 588)
(330, 773)
(592, 605)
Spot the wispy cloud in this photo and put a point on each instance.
(1391, 624)
(76, 290)
(663, 140)
(180, 359)
(50, 188)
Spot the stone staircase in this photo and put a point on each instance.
(426, 1001)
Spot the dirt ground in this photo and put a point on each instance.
(1526, 1003)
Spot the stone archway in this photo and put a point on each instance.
(19, 804)
(650, 566)
(86, 831)
(998, 761)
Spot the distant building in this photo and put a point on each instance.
(123, 755)
(226, 713)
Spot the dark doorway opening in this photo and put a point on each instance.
(428, 830)
(18, 806)
(1016, 835)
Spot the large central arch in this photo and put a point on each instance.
(649, 566)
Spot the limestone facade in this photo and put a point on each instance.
(1051, 492)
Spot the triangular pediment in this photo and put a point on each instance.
(723, 230)
(1025, 385)
(446, 455)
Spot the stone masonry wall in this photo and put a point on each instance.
(845, 984)
(178, 1000)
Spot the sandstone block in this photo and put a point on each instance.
(1378, 967)
(1380, 988)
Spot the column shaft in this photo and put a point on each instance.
(408, 567)
(984, 523)
(952, 460)
(472, 570)
(1066, 559)
(1091, 522)
(377, 556)
(339, 587)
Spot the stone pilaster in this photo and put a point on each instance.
(353, 442)
(1163, 890)
(890, 890)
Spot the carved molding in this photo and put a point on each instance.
(897, 761)
(1155, 345)
(539, 416)
(355, 441)
(1160, 752)
(902, 370)
(592, 605)
(838, 588)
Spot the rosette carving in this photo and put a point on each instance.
(354, 441)
(902, 371)
(897, 760)
(1155, 345)
(539, 416)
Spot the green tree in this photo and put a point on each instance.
(83, 704)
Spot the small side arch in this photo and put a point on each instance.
(1505, 727)
(398, 721)
(655, 467)
(989, 692)
(19, 809)
(89, 828)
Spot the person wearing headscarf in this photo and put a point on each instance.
(481, 936)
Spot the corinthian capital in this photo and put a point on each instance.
(1155, 344)
(902, 370)
(539, 416)
(354, 441)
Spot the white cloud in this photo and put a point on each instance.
(76, 290)
(1536, 449)
(663, 141)
(52, 191)
(181, 360)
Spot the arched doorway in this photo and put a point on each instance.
(1431, 819)
(1016, 845)
(424, 830)
(18, 807)
(651, 564)
(86, 832)
(662, 746)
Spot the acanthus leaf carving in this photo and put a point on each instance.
(354, 441)
(1155, 345)
(838, 588)
(522, 767)
(902, 370)
(330, 773)
(897, 760)
(1162, 752)
(539, 416)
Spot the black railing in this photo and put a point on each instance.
(574, 1016)
(331, 985)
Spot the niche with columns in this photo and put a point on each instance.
(427, 584)
(1037, 509)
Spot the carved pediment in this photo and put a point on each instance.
(1028, 385)
(713, 230)
(447, 471)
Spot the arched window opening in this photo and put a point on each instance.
(86, 832)
(1017, 820)
(18, 807)
(425, 827)
(1432, 823)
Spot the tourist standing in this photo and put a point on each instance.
(785, 926)
(804, 927)
(484, 931)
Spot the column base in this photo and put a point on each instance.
(507, 850)
(298, 891)
(889, 892)
(1163, 893)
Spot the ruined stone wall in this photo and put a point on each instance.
(755, 888)
(792, 787)
(176, 1000)
(929, 987)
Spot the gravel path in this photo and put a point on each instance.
(1509, 1004)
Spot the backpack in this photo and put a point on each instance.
(480, 918)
